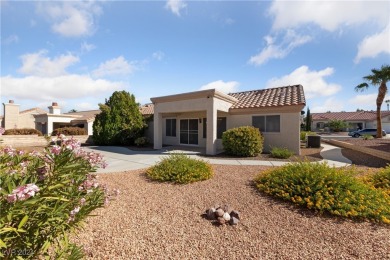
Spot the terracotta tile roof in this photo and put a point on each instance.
(84, 115)
(348, 116)
(37, 110)
(272, 97)
(147, 109)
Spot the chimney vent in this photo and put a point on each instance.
(54, 104)
(11, 101)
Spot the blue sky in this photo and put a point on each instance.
(78, 53)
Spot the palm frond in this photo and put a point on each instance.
(361, 87)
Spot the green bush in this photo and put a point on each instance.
(304, 133)
(179, 168)
(243, 141)
(367, 137)
(44, 197)
(380, 179)
(120, 121)
(69, 131)
(281, 153)
(23, 131)
(326, 189)
(141, 141)
(338, 125)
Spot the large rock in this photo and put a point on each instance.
(226, 208)
(221, 220)
(235, 214)
(226, 216)
(219, 212)
(233, 221)
(211, 214)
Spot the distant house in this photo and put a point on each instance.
(356, 120)
(46, 121)
(199, 118)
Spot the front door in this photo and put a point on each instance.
(189, 131)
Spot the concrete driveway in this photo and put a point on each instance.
(121, 159)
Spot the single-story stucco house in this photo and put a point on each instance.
(356, 120)
(199, 118)
(194, 119)
(45, 121)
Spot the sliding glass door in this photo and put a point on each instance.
(189, 131)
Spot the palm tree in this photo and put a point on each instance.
(377, 78)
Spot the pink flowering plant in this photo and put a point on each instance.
(45, 196)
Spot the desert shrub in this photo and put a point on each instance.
(141, 141)
(367, 137)
(281, 153)
(44, 197)
(303, 134)
(243, 141)
(23, 131)
(69, 131)
(326, 189)
(380, 179)
(338, 125)
(179, 168)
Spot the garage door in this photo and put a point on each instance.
(386, 127)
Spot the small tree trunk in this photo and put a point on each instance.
(379, 100)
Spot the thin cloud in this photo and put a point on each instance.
(38, 64)
(374, 45)
(158, 55)
(313, 82)
(55, 88)
(330, 104)
(11, 39)
(175, 6)
(273, 50)
(86, 47)
(328, 15)
(220, 85)
(116, 66)
(71, 18)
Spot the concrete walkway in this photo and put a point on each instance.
(121, 159)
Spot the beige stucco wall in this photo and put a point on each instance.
(11, 116)
(26, 120)
(288, 137)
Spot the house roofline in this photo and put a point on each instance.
(196, 94)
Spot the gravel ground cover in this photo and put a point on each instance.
(364, 160)
(378, 144)
(151, 220)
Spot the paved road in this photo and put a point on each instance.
(121, 159)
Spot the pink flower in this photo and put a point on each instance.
(9, 151)
(82, 201)
(55, 150)
(20, 152)
(23, 192)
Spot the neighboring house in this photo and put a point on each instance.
(199, 118)
(356, 120)
(45, 121)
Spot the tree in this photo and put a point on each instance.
(72, 111)
(308, 120)
(377, 78)
(120, 120)
(337, 125)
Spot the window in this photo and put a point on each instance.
(170, 127)
(267, 123)
(221, 127)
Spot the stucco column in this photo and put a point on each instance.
(157, 130)
(211, 142)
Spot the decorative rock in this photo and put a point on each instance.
(221, 220)
(226, 216)
(235, 214)
(219, 212)
(226, 208)
(234, 221)
(211, 214)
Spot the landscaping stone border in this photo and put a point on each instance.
(377, 153)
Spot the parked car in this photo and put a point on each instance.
(367, 131)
